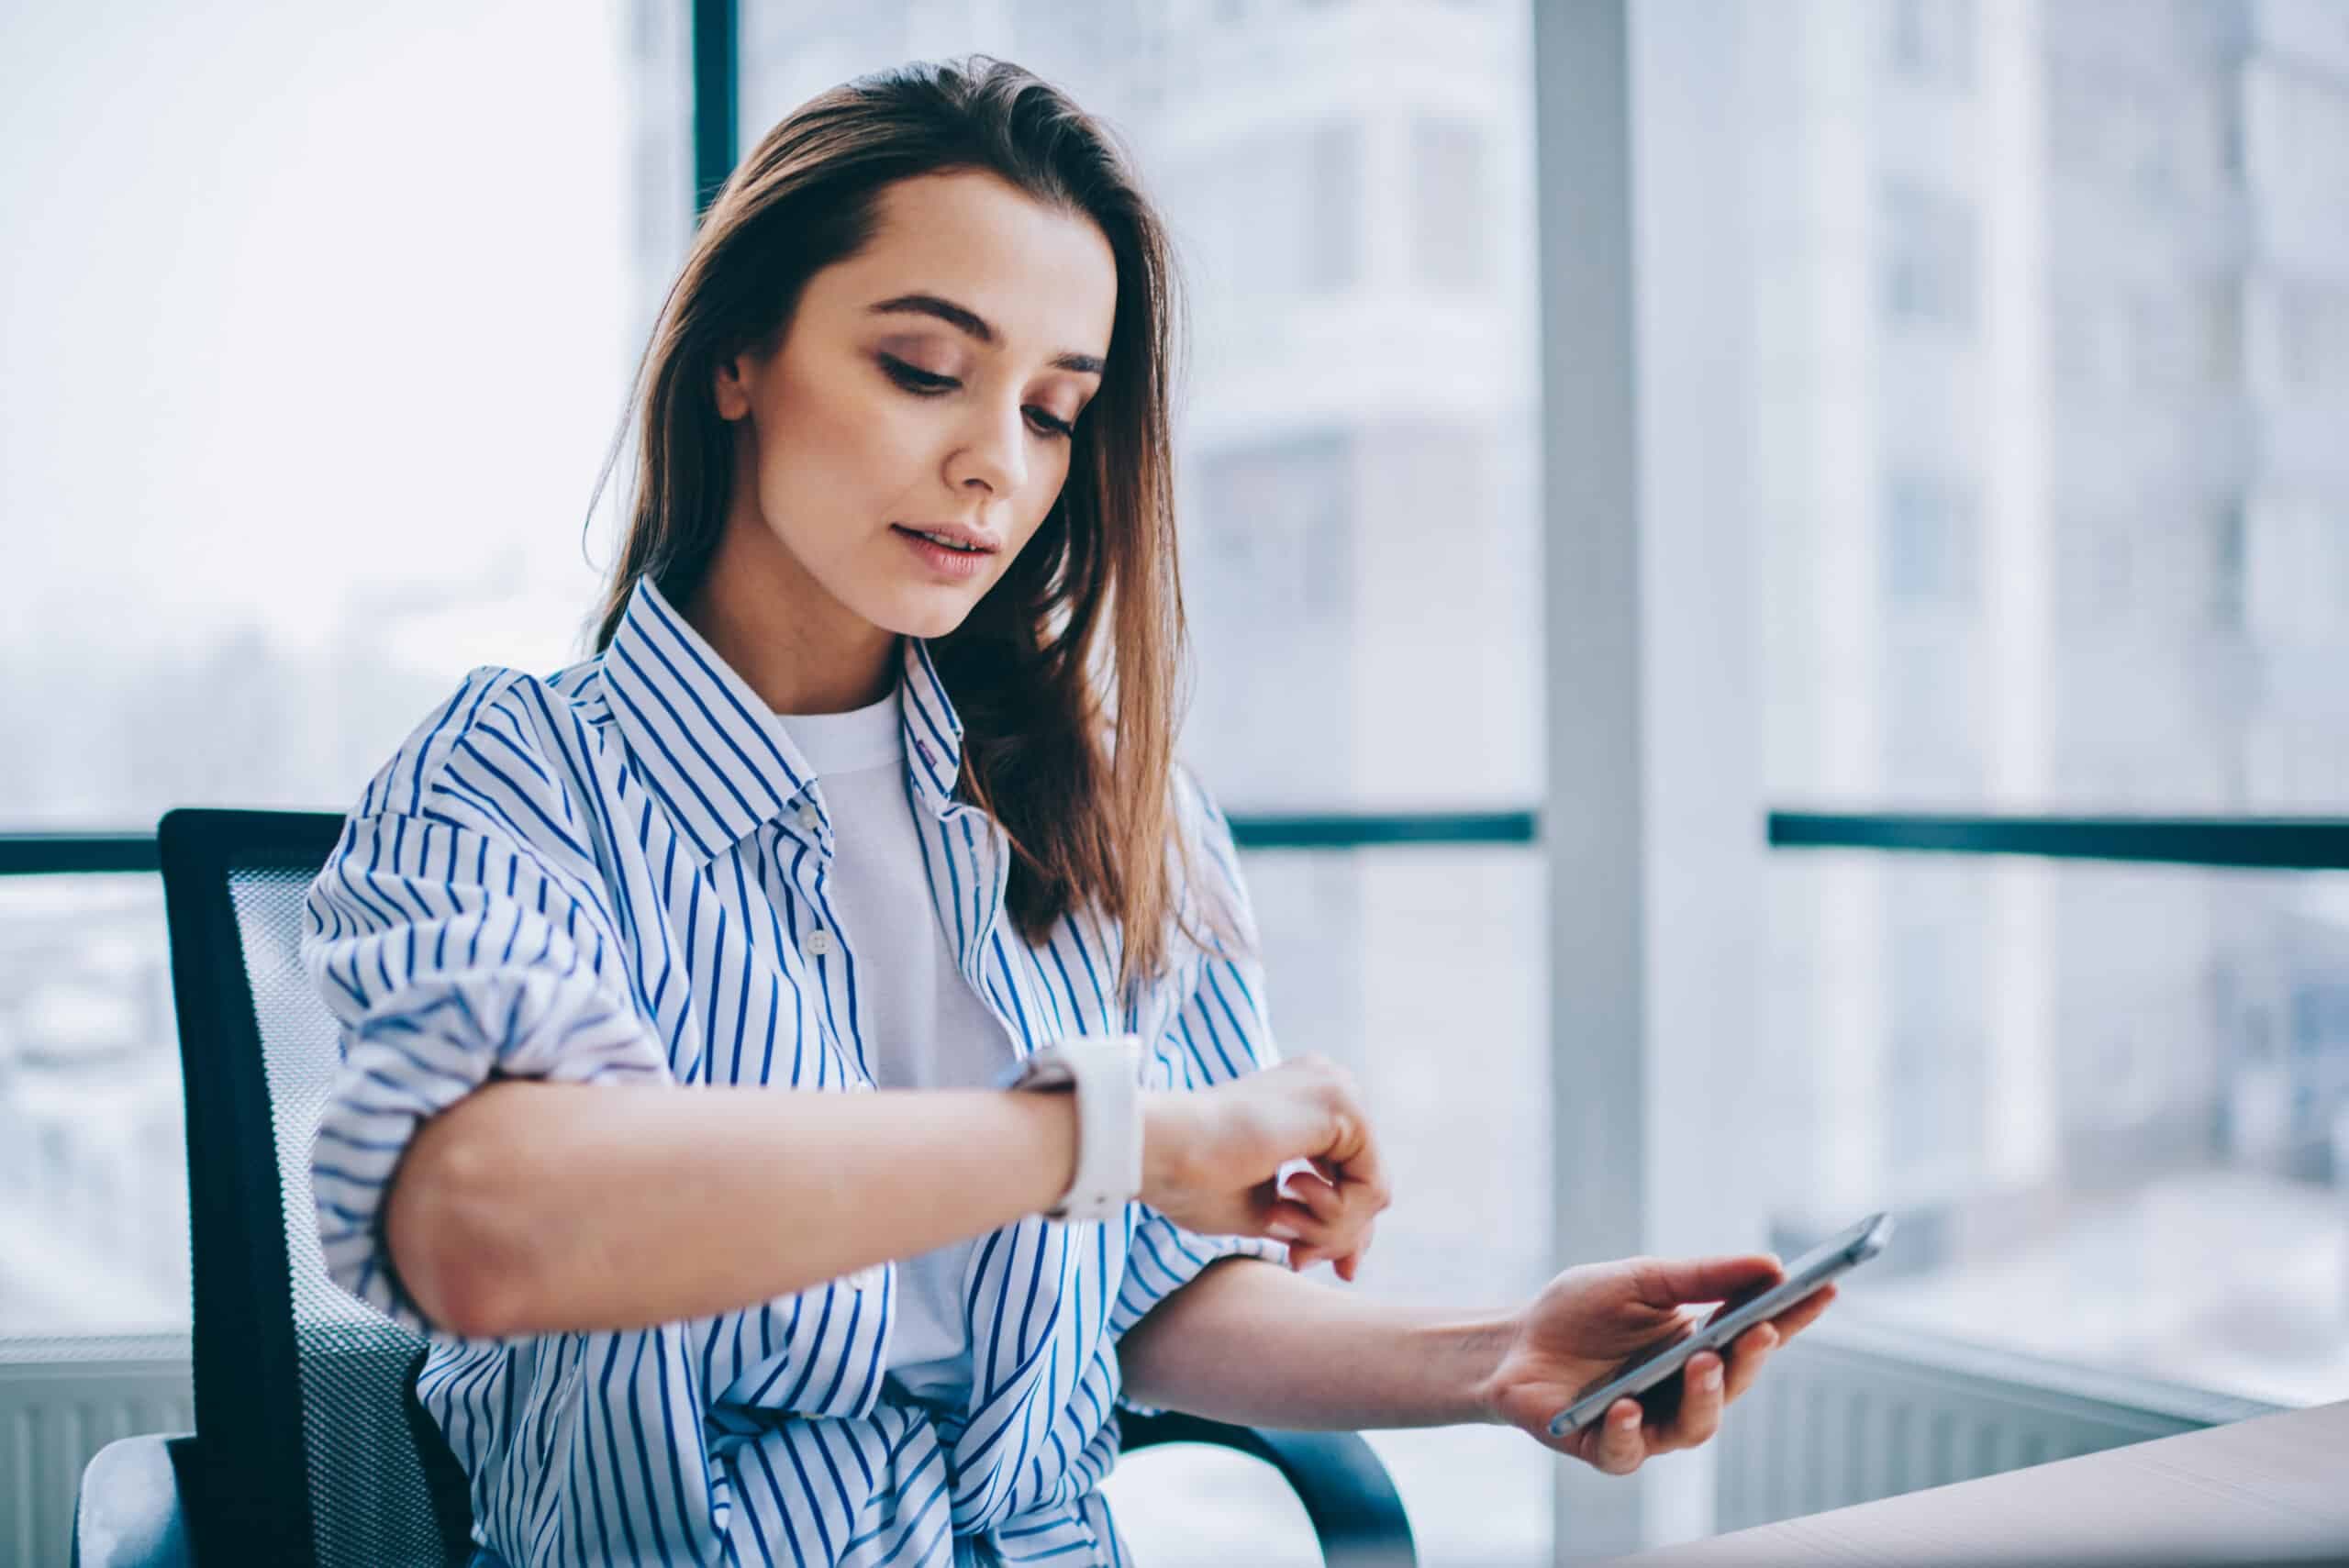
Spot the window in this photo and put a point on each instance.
(1270, 220)
(1931, 541)
(1933, 41)
(2226, 121)
(2159, 340)
(2311, 325)
(1928, 256)
(1270, 572)
(1454, 235)
(1936, 1022)
(2035, 492)
(2219, 330)
(1332, 212)
(2227, 573)
(1357, 518)
(324, 385)
(92, 1154)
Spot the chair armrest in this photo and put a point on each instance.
(128, 1514)
(1357, 1515)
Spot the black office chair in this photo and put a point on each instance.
(310, 1447)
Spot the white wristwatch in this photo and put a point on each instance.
(1105, 1074)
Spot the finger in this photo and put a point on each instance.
(1291, 1223)
(1348, 1237)
(1301, 1253)
(1313, 1237)
(1668, 1281)
(1746, 1356)
(1324, 1200)
(1599, 1443)
(1351, 1264)
(1620, 1444)
(1347, 1184)
(1340, 1220)
(1290, 1220)
(1333, 1247)
(1354, 1158)
(1311, 1205)
(1699, 1415)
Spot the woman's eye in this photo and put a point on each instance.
(914, 380)
(927, 383)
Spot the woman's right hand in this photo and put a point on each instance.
(1211, 1160)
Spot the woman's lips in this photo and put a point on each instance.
(957, 564)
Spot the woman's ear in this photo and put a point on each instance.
(734, 387)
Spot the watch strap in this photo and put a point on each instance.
(1104, 1073)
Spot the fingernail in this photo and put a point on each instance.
(1280, 1232)
(1710, 1378)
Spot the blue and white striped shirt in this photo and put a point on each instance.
(619, 873)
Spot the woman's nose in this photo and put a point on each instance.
(995, 455)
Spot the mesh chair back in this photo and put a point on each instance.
(311, 1443)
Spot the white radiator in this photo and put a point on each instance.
(1847, 1415)
(62, 1400)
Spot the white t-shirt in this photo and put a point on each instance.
(925, 1028)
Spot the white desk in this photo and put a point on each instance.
(2271, 1490)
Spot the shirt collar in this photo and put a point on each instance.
(716, 755)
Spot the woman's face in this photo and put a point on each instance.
(926, 383)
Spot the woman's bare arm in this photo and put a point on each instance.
(1250, 1342)
(534, 1208)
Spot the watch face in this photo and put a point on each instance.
(1048, 1071)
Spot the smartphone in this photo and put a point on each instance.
(1804, 1276)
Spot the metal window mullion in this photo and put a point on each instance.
(717, 86)
(1593, 806)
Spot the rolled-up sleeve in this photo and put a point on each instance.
(1221, 1031)
(448, 949)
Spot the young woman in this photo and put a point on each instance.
(699, 1001)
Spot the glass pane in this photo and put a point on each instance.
(93, 1145)
(301, 404)
(1420, 969)
(1349, 189)
(306, 370)
(1350, 193)
(1189, 1503)
(2037, 349)
(2041, 522)
(2109, 1104)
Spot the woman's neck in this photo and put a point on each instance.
(801, 649)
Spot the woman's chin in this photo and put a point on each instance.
(927, 613)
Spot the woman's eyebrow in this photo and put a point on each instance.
(972, 322)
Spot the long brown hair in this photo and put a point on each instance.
(1089, 807)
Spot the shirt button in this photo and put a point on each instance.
(809, 819)
(820, 942)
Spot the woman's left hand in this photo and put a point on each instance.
(1590, 1320)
